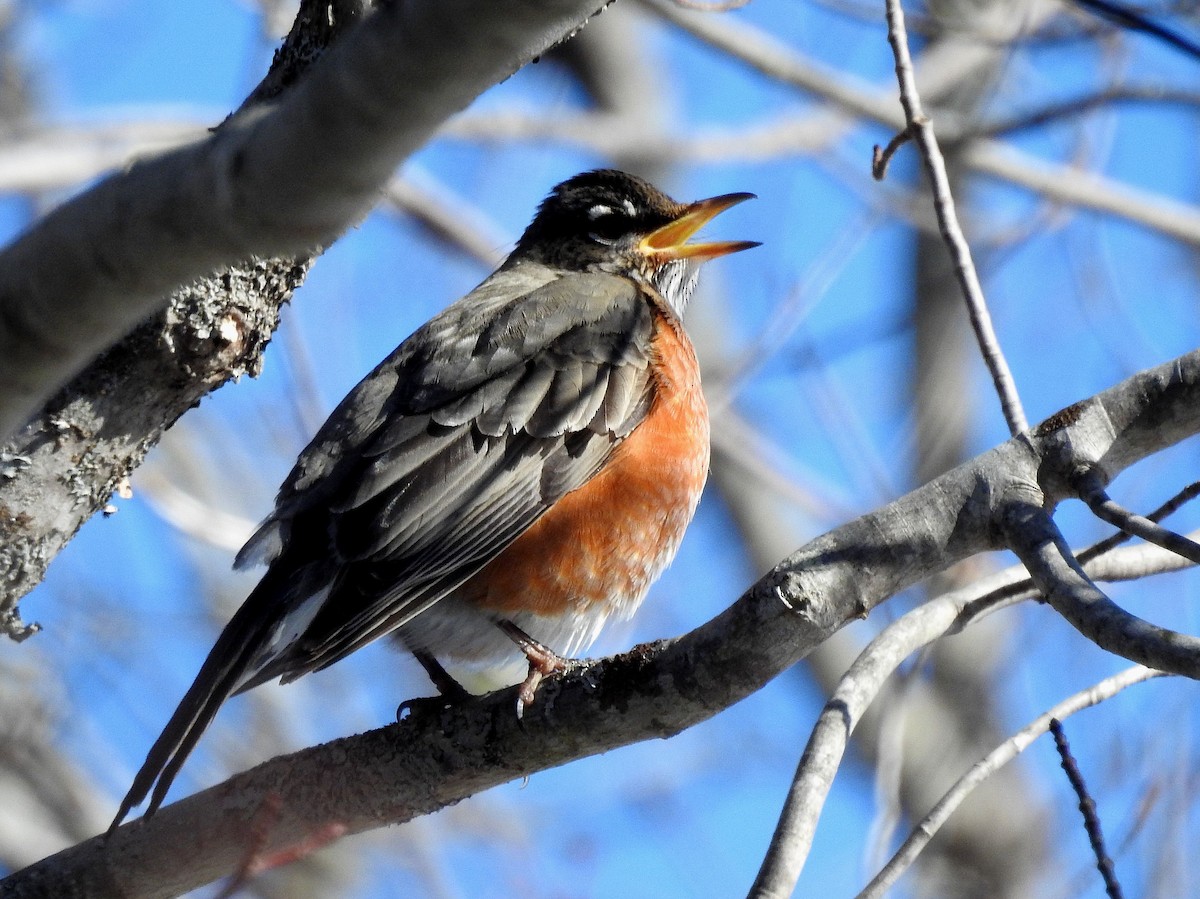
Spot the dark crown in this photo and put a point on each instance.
(587, 214)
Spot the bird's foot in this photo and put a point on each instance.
(543, 661)
(423, 706)
(450, 691)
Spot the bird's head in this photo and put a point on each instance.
(614, 222)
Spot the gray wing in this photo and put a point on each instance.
(455, 445)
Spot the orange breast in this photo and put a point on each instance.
(607, 541)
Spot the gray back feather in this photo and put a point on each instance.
(455, 445)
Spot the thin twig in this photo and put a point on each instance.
(448, 216)
(818, 132)
(1105, 508)
(992, 762)
(1127, 93)
(882, 156)
(1170, 507)
(1087, 806)
(921, 130)
(746, 446)
(788, 315)
(1133, 20)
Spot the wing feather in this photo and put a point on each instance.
(441, 457)
(496, 409)
(513, 414)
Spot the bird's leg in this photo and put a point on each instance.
(450, 691)
(446, 685)
(542, 661)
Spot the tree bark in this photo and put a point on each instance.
(276, 181)
(440, 756)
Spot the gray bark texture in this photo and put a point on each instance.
(440, 756)
(274, 183)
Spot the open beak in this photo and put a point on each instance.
(670, 241)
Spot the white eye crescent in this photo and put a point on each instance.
(608, 222)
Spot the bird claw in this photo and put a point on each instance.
(543, 661)
(421, 706)
(528, 691)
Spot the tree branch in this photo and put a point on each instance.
(1000, 756)
(920, 128)
(1038, 544)
(181, 215)
(1106, 509)
(273, 181)
(949, 613)
(936, 75)
(397, 772)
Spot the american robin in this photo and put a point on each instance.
(516, 472)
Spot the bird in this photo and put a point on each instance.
(515, 473)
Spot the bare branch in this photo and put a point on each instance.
(822, 757)
(65, 464)
(271, 182)
(1000, 756)
(1128, 17)
(921, 130)
(1170, 507)
(395, 773)
(1126, 93)
(53, 157)
(1108, 510)
(1087, 806)
(448, 217)
(946, 614)
(1036, 540)
(936, 75)
(883, 155)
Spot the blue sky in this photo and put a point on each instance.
(1080, 302)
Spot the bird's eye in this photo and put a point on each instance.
(606, 225)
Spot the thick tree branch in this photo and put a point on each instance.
(274, 181)
(862, 683)
(82, 445)
(401, 771)
(183, 214)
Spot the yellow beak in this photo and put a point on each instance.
(670, 241)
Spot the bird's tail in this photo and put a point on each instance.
(235, 651)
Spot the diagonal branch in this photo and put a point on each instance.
(1109, 510)
(428, 761)
(115, 250)
(273, 181)
(1037, 542)
(1087, 807)
(1000, 756)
